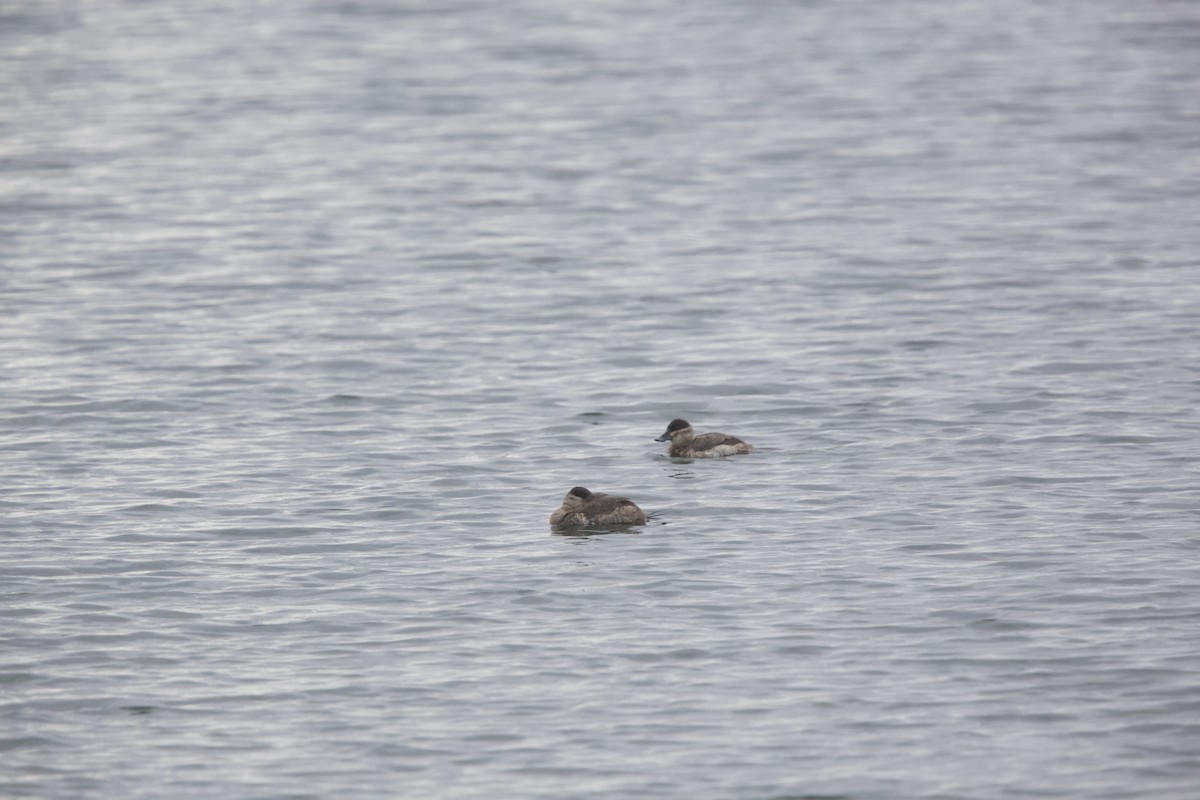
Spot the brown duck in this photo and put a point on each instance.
(584, 509)
(685, 443)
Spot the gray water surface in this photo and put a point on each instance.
(310, 313)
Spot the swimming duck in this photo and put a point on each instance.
(583, 509)
(686, 444)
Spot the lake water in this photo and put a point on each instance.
(310, 313)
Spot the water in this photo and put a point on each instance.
(311, 313)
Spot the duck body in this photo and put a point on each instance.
(584, 509)
(686, 443)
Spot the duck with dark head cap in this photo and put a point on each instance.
(584, 509)
(686, 443)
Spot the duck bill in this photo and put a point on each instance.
(663, 438)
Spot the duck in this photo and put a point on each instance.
(584, 509)
(685, 443)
